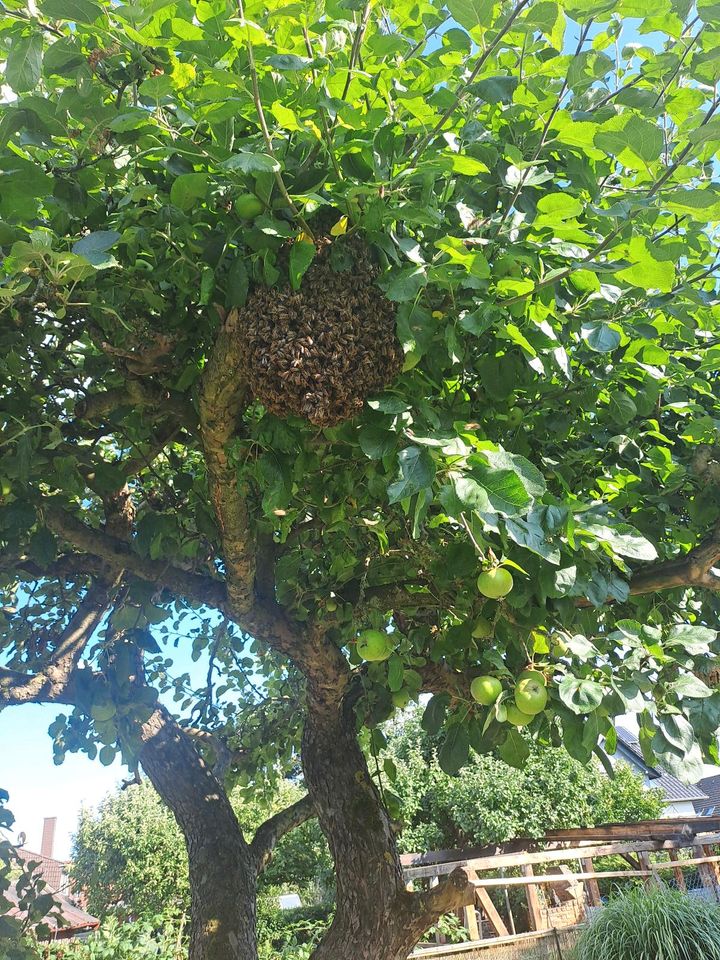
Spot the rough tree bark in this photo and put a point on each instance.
(376, 917)
(222, 866)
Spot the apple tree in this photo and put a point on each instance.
(330, 317)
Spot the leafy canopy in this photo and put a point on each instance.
(539, 185)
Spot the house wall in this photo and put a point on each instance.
(679, 808)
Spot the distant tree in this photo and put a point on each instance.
(129, 854)
(492, 802)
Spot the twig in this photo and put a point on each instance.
(460, 92)
(546, 129)
(678, 68)
(264, 127)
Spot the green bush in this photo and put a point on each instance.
(290, 934)
(144, 940)
(653, 924)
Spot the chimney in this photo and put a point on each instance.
(48, 837)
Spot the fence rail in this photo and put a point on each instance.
(558, 903)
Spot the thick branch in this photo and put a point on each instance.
(268, 833)
(222, 399)
(439, 678)
(694, 569)
(223, 755)
(53, 683)
(158, 401)
(120, 556)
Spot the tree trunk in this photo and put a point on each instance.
(222, 870)
(375, 916)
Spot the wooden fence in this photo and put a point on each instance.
(561, 879)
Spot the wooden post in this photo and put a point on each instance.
(645, 864)
(471, 922)
(679, 875)
(533, 901)
(709, 852)
(496, 921)
(592, 890)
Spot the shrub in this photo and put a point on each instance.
(123, 941)
(291, 934)
(653, 924)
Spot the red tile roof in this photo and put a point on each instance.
(75, 919)
(52, 871)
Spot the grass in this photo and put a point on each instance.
(653, 924)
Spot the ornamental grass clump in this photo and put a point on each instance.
(653, 924)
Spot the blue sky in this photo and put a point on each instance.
(40, 789)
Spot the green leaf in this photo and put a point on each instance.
(43, 547)
(678, 731)
(531, 478)
(434, 714)
(599, 336)
(646, 271)
(75, 11)
(288, 62)
(634, 141)
(694, 640)
(237, 284)
(417, 469)
(377, 443)
(302, 254)
(498, 89)
(688, 685)
(94, 247)
(624, 539)
(621, 407)
(103, 711)
(24, 62)
(455, 749)
(580, 695)
(252, 163)
(515, 750)
(187, 189)
(472, 14)
(504, 490)
(107, 755)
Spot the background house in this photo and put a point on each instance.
(710, 806)
(76, 922)
(681, 800)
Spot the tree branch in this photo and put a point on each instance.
(694, 569)
(119, 555)
(53, 683)
(223, 397)
(135, 393)
(275, 827)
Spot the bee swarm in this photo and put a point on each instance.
(319, 351)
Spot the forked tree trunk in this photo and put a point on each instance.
(375, 917)
(222, 871)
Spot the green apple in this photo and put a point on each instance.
(495, 583)
(485, 690)
(531, 674)
(401, 698)
(531, 696)
(374, 645)
(482, 629)
(5, 487)
(331, 605)
(558, 649)
(516, 717)
(248, 206)
(515, 416)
